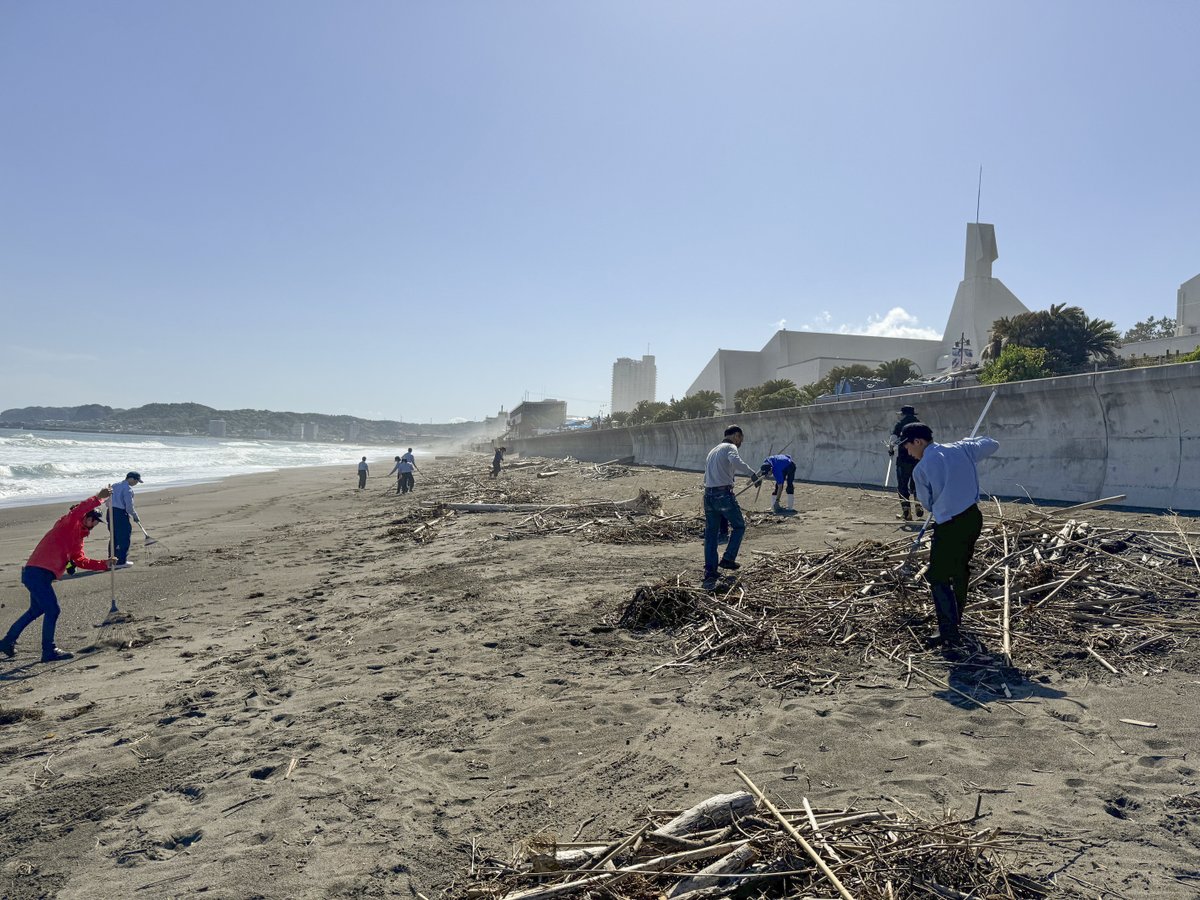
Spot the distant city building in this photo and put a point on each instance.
(633, 381)
(496, 425)
(298, 431)
(261, 433)
(352, 431)
(537, 417)
(216, 428)
(1187, 318)
(310, 431)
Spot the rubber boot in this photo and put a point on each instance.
(791, 502)
(946, 606)
(905, 511)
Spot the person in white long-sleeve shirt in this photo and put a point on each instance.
(123, 512)
(723, 464)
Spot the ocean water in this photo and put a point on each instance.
(51, 466)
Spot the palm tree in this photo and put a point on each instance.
(897, 371)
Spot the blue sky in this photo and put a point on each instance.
(431, 210)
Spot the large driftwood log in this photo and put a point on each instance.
(732, 862)
(657, 864)
(714, 812)
(539, 507)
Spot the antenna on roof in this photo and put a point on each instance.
(978, 193)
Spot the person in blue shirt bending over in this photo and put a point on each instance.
(782, 468)
(947, 484)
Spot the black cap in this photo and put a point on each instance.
(908, 410)
(915, 430)
(92, 514)
(135, 476)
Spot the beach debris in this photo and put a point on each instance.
(741, 843)
(421, 525)
(1068, 597)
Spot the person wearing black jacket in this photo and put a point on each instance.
(904, 468)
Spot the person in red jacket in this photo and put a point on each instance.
(62, 544)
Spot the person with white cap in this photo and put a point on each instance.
(122, 513)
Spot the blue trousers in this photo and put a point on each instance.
(122, 534)
(42, 602)
(717, 505)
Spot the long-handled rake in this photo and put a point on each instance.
(112, 552)
(149, 540)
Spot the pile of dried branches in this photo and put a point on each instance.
(623, 526)
(1069, 597)
(420, 525)
(563, 518)
(732, 844)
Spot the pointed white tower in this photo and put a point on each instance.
(981, 300)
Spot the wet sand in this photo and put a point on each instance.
(306, 702)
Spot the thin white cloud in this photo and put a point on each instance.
(897, 322)
(781, 325)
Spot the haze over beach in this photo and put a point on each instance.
(429, 211)
(253, 254)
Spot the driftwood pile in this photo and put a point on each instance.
(1043, 595)
(421, 525)
(564, 518)
(742, 843)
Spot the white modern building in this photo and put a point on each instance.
(1187, 328)
(216, 428)
(807, 356)
(633, 381)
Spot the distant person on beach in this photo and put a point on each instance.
(497, 459)
(406, 464)
(947, 482)
(363, 471)
(399, 478)
(782, 468)
(904, 468)
(62, 544)
(123, 512)
(723, 464)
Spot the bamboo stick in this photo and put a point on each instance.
(787, 826)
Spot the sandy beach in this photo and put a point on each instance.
(315, 691)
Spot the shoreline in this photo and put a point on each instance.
(316, 691)
(11, 503)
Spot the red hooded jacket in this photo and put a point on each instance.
(64, 543)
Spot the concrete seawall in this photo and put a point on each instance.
(1076, 438)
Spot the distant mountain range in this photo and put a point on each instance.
(194, 419)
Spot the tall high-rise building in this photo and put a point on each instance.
(633, 381)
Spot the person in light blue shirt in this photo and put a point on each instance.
(122, 513)
(947, 484)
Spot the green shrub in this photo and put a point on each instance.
(1016, 363)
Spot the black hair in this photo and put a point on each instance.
(732, 430)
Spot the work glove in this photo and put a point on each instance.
(136, 519)
(892, 450)
(755, 480)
